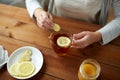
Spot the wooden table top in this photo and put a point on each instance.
(17, 29)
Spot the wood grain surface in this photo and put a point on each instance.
(17, 29)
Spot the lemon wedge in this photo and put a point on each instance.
(26, 69)
(63, 41)
(56, 27)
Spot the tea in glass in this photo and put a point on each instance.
(61, 42)
(89, 70)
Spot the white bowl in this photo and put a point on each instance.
(2, 63)
(37, 59)
(3, 56)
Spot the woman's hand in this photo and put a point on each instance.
(44, 19)
(85, 38)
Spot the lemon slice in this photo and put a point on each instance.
(56, 27)
(13, 69)
(27, 52)
(26, 56)
(63, 41)
(26, 68)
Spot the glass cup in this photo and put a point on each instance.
(89, 70)
(53, 40)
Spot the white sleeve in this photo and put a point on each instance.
(31, 5)
(110, 31)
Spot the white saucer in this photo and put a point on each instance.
(37, 59)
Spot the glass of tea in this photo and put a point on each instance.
(89, 70)
(61, 41)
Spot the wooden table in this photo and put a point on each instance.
(17, 29)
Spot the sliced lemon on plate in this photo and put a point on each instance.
(13, 69)
(26, 68)
(27, 52)
(26, 56)
(56, 27)
(63, 41)
(22, 69)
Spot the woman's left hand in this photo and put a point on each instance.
(85, 38)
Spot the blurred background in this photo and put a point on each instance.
(18, 3)
(21, 3)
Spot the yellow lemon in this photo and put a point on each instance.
(56, 27)
(13, 69)
(26, 68)
(63, 41)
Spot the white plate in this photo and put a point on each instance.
(37, 59)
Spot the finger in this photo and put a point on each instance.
(43, 23)
(77, 46)
(50, 16)
(46, 25)
(80, 43)
(44, 20)
(49, 22)
(41, 26)
(74, 46)
(79, 35)
(40, 22)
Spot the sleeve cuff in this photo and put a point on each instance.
(110, 31)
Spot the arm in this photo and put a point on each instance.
(43, 19)
(112, 29)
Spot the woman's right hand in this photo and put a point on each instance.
(44, 19)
